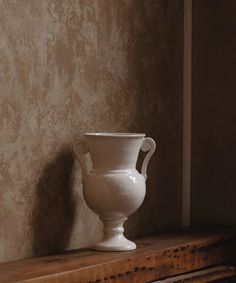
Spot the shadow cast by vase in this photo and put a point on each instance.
(54, 208)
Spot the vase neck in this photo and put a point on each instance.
(114, 153)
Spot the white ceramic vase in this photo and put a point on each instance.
(113, 188)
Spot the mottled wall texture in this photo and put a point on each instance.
(74, 66)
(214, 112)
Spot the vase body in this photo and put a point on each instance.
(113, 188)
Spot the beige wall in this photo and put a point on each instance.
(214, 115)
(68, 67)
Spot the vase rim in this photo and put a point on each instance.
(101, 134)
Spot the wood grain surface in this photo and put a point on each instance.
(155, 258)
(202, 276)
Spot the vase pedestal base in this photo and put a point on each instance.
(114, 239)
(115, 245)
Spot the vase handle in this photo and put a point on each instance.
(149, 146)
(80, 148)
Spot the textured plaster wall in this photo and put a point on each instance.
(214, 115)
(68, 67)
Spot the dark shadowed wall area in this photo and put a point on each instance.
(68, 67)
(214, 112)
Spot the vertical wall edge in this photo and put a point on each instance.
(187, 97)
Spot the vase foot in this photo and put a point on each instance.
(115, 244)
(114, 239)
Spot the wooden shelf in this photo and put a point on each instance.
(156, 258)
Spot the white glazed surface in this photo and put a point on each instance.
(114, 194)
(114, 189)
